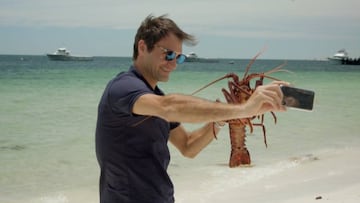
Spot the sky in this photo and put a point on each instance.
(289, 29)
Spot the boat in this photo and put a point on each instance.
(193, 57)
(350, 61)
(339, 56)
(342, 57)
(64, 55)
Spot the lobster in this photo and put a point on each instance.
(239, 92)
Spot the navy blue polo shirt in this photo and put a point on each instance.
(132, 149)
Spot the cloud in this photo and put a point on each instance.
(246, 18)
(126, 14)
(265, 20)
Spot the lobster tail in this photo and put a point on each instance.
(239, 153)
(239, 157)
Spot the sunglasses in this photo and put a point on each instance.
(171, 55)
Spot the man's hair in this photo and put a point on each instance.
(153, 29)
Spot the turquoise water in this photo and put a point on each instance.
(48, 114)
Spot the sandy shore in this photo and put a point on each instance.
(331, 177)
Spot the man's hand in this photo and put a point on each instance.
(266, 98)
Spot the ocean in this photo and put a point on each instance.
(48, 114)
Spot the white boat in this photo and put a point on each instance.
(64, 55)
(193, 57)
(339, 56)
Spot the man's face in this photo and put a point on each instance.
(158, 69)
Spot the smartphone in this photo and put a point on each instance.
(298, 98)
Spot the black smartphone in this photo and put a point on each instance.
(298, 98)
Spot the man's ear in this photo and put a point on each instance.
(142, 48)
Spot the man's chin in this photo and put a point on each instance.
(164, 79)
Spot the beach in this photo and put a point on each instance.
(48, 116)
(330, 177)
(325, 177)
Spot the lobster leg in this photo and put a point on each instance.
(264, 132)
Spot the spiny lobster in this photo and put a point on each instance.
(239, 92)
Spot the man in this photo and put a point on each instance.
(136, 119)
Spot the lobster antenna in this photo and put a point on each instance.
(252, 61)
(277, 69)
(213, 82)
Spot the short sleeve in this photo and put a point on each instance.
(124, 91)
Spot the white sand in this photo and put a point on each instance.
(331, 177)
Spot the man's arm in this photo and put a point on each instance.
(184, 108)
(190, 144)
